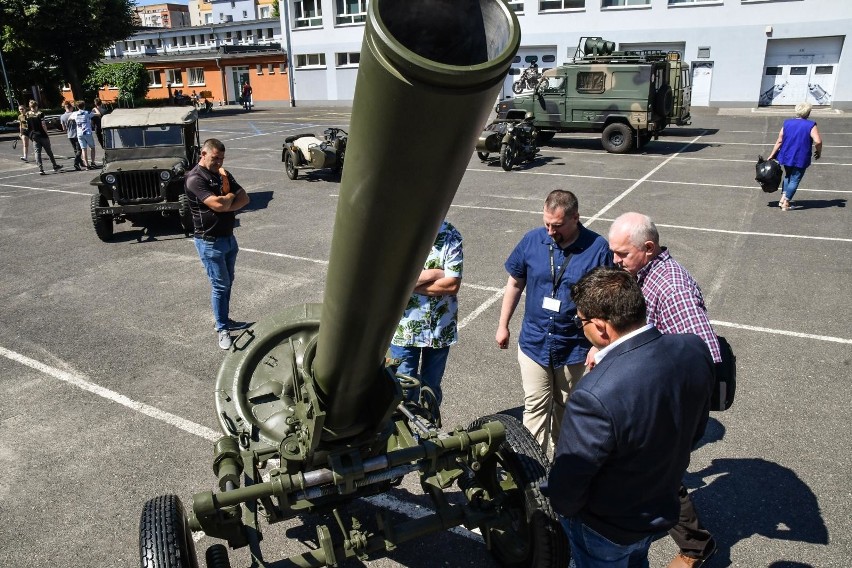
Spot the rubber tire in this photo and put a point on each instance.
(104, 227)
(185, 214)
(290, 165)
(507, 156)
(482, 155)
(164, 537)
(545, 136)
(617, 138)
(543, 84)
(518, 87)
(541, 542)
(217, 556)
(664, 101)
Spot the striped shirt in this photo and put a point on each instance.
(675, 303)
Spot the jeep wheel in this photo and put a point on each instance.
(482, 155)
(185, 215)
(617, 138)
(545, 136)
(290, 165)
(507, 156)
(103, 223)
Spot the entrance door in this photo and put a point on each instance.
(239, 75)
(702, 77)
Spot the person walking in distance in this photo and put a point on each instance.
(214, 198)
(38, 134)
(798, 136)
(98, 112)
(429, 325)
(629, 427)
(551, 350)
(675, 305)
(70, 126)
(247, 91)
(84, 134)
(24, 132)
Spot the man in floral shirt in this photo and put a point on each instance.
(430, 322)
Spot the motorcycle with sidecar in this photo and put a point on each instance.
(515, 140)
(307, 151)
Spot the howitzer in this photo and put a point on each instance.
(301, 389)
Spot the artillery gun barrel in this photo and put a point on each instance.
(422, 63)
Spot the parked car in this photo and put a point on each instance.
(308, 151)
(147, 152)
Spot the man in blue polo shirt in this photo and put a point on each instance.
(551, 349)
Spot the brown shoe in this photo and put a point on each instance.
(684, 561)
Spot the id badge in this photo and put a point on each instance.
(551, 304)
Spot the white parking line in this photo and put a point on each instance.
(29, 188)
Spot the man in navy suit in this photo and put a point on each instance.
(629, 428)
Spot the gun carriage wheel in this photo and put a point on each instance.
(164, 537)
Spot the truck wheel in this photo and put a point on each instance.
(290, 165)
(518, 87)
(545, 136)
(527, 533)
(617, 138)
(164, 537)
(482, 155)
(507, 156)
(185, 215)
(103, 223)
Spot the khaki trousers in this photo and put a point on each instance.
(546, 391)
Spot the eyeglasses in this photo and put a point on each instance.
(580, 322)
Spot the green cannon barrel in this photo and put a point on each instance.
(429, 74)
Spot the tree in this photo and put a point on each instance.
(276, 9)
(131, 79)
(54, 40)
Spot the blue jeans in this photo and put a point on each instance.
(792, 177)
(591, 550)
(219, 258)
(430, 362)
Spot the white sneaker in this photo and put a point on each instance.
(225, 340)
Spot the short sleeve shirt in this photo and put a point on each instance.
(550, 338)
(84, 122)
(201, 183)
(69, 124)
(432, 321)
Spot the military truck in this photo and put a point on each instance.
(147, 153)
(627, 96)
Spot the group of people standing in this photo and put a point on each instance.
(80, 125)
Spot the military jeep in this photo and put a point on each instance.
(624, 95)
(147, 152)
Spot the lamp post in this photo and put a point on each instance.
(290, 80)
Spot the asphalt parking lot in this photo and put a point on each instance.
(108, 354)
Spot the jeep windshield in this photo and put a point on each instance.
(144, 137)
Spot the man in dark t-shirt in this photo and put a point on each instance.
(214, 197)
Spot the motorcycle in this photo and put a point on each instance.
(529, 80)
(308, 151)
(516, 141)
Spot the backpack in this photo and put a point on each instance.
(726, 378)
(768, 174)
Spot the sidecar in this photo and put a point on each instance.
(491, 138)
(306, 151)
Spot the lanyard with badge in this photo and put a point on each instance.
(552, 303)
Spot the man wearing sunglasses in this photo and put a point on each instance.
(629, 426)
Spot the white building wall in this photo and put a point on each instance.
(222, 10)
(736, 31)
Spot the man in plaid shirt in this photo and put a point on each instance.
(675, 305)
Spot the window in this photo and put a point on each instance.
(591, 82)
(245, 15)
(824, 70)
(614, 3)
(798, 70)
(671, 2)
(545, 5)
(154, 79)
(308, 13)
(282, 68)
(516, 6)
(264, 12)
(773, 71)
(196, 75)
(259, 69)
(310, 60)
(174, 77)
(703, 53)
(348, 59)
(351, 12)
(270, 69)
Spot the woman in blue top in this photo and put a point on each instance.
(793, 149)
